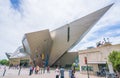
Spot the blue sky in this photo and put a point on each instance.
(18, 17)
(15, 4)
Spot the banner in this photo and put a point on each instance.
(43, 56)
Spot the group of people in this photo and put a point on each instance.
(37, 69)
(60, 72)
(14, 66)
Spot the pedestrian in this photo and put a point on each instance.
(70, 73)
(31, 70)
(57, 71)
(41, 70)
(44, 68)
(62, 72)
(73, 74)
(37, 68)
(48, 69)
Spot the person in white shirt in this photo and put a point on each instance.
(57, 71)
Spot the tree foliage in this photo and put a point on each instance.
(114, 58)
(4, 62)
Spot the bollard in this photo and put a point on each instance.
(4, 72)
(19, 71)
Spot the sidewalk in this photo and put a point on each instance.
(13, 73)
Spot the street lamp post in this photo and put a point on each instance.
(87, 65)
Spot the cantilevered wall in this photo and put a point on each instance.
(69, 35)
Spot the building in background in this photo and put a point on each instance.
(19, 57)
(97, 58)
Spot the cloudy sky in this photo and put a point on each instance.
(18, 17)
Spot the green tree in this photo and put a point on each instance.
(114, 58)
(4, 62)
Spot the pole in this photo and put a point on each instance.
(87, 70)
(4, 72)
(85, 58)
(19, 71)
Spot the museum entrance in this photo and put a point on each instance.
(24, 63)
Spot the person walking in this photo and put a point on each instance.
(48, 69)
(62, 72)
(57, 71)
(31, 70)
(37, 68)
(73, 74)
(41, 70)
(70, 73)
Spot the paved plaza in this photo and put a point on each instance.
(13, 73)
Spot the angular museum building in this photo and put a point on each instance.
(51, 47)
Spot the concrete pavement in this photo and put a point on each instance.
(13, 73)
